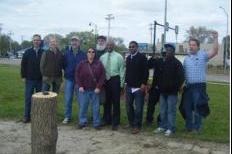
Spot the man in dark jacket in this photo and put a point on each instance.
(30, 72)
(154, 92)
(170, 81)
(73, 56)
(136, 80)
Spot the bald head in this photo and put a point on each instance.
(110, 45)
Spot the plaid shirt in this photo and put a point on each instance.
(195, 66)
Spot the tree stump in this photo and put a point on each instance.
(44, 123)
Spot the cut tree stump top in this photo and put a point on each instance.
(41, 95)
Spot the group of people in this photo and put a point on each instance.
(101, 75)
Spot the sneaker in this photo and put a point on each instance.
(66, 121)
(81, 126)
(159, 130)
(168, 132)
(26, 120)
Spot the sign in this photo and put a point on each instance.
(143, 47)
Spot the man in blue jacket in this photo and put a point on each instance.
(30, 72)
(72, 58)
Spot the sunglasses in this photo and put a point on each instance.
(132, 46)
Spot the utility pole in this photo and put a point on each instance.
(10, 33)
(0, 29)
(151, 29)
(165, 23)
(21, 38)
(167, 27)
(226, 38)
(109, 17)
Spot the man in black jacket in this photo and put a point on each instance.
(170, 81)
(136, 80)
(154, 92)
(30, 72)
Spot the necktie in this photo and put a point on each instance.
(108, 66)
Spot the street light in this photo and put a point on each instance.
(227, 18)
(227, 22)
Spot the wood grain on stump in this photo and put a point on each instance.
(44, 123)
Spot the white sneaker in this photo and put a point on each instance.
(66, 120)
(158, 130)
(168, 132)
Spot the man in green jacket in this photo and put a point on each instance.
(51, 67)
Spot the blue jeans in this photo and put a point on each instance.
(68, 97)
(30, 87)
(84, 99)
(193, 119)
(135, 115)
(168, 111)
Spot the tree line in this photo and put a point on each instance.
(89, 40)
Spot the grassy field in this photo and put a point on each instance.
(216, 126)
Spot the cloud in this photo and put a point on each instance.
(132, 17)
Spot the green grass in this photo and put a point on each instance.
(216, 125)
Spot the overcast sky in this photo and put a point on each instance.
(132, 17)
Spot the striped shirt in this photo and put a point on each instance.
(195, 66)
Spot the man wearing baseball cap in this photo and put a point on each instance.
(170, 80)
(73, 56)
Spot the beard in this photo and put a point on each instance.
(100, 47)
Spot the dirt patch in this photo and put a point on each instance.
(16, 138)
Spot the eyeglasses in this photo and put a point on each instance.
(132, 46)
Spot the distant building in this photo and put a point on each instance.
(182, 49)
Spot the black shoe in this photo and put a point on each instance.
(81, 126)
(114, 128)
(26, 120)
(148, 124)
(98, 127)
(105, 123)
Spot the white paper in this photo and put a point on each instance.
(133, 90)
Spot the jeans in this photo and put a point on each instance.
(135, 115)
(85, 98)
(68, 97)
(193, 119)
(30, 87)
(168, 111)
